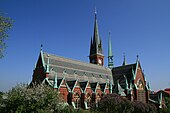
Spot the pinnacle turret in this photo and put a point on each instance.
(124, 60)
(110, 55)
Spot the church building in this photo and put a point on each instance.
(81, 83)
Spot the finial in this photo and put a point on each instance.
(95, 12)
(124, 59)
(41, 46)
(109, 34)
(137, 58)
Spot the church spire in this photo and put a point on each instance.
(96, 52)
(96, 44)
(124, 60)
(110, 55)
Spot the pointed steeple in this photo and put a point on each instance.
(124, 60)
(97, 45)
(96, 38)
(96, 51)
(110, 55)
(91, 46)
(42, 56)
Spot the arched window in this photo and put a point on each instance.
(141, 92)
(88, 99)
(77, 100)
(98, 98)
(140, 85)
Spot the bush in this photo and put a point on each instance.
(39, 98)
(113, 103)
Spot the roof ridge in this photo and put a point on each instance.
(125, 65)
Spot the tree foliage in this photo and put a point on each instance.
(6, 24)
(167, 108)
(38, 99)
(140, 107)
(113, 103)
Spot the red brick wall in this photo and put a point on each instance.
(141, 95)
(64, 92)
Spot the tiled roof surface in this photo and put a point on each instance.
(119, 72)
(73, 69)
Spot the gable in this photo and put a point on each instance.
(39, 74)
(98, 87)
(77, 84)
(62, 83)
(139, 79)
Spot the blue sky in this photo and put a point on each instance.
(65, 27)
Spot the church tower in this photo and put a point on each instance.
(96, 53)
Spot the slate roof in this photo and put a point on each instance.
(73, 70)
(122, 77)
(119, 72)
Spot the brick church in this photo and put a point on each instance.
(81, 83)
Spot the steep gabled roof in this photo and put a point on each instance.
(73, 69)
(127, 70)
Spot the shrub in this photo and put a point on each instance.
(113, 103)
(39, 98)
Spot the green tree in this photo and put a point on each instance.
(140, 107)
(38, 99)
(167, 108)
(6, 24)
(113, 103)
